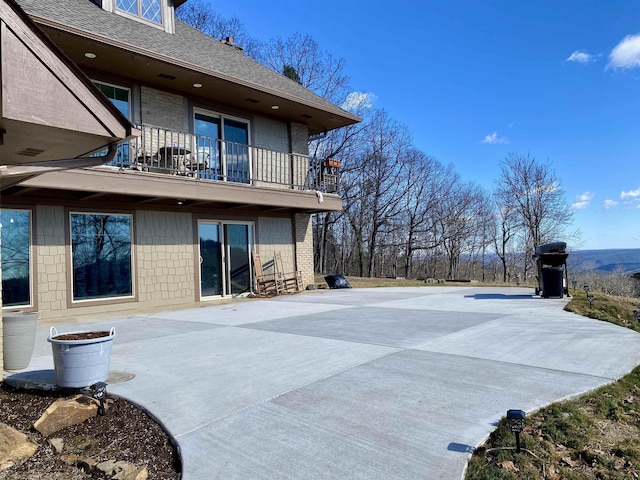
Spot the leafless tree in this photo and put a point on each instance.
(201, 15)
(505, 230)
(375, 187)
(531, 189)
(428, 182)
(460, 215)
(318, 70)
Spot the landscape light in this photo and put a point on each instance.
(515, 419)
(636, 314)
(99, 393)
(574, 282)
(586, 289)
(590, 298)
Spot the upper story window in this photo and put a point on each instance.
(150, 10)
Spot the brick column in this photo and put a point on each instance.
(304, 246)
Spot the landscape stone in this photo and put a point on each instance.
(121, 470)
(14, 446)
(88, 464)
(132, 472)
(70, 459)
(57, 444)
(65, 412)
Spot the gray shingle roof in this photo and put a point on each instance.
(187, 46)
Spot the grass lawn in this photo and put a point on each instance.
(595, 436)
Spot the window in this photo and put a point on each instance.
(223, 147)
(120, 97)
(101, 248)
(148, 9)
(15, 238)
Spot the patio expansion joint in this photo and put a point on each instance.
(537, 367)
(299, 387)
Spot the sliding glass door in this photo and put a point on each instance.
(222, 147)
(225, 252)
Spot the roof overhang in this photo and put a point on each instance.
(51, 116)
(170, 74)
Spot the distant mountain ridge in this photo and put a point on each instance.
(627, 259)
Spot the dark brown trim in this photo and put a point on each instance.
(62, 57)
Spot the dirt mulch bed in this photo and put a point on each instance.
(125, 433)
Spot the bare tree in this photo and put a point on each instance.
(459, 217)
(532, 190)
(505, 230)
(317, 70)
(374, 188)
(427, 183)
(201, 15)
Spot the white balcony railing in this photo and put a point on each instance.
(171, 152)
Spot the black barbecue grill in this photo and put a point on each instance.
(553, 278)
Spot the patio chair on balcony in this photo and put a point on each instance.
(290, 281)
(142, 160)
(198, 163)
(266, 284)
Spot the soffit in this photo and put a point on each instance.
(135, 50)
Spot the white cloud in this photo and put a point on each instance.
(582, 201)
(493, 138)
(609, 203)
(357, 101)
(581, 57)
(631, 195)
(626, 54)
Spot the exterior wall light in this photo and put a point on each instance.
(515, 419)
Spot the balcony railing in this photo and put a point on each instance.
(171, 152)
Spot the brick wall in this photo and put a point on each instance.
(304, 246)
(163, 109)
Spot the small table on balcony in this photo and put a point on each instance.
(178, 156)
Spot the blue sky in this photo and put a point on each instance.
(474, 81)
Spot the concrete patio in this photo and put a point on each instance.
(384, 383)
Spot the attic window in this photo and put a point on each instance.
(150, 10)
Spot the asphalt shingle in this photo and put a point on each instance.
(187, 46)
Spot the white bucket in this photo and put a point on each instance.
(82, 362)
(18, 338)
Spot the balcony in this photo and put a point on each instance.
(169, 152)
